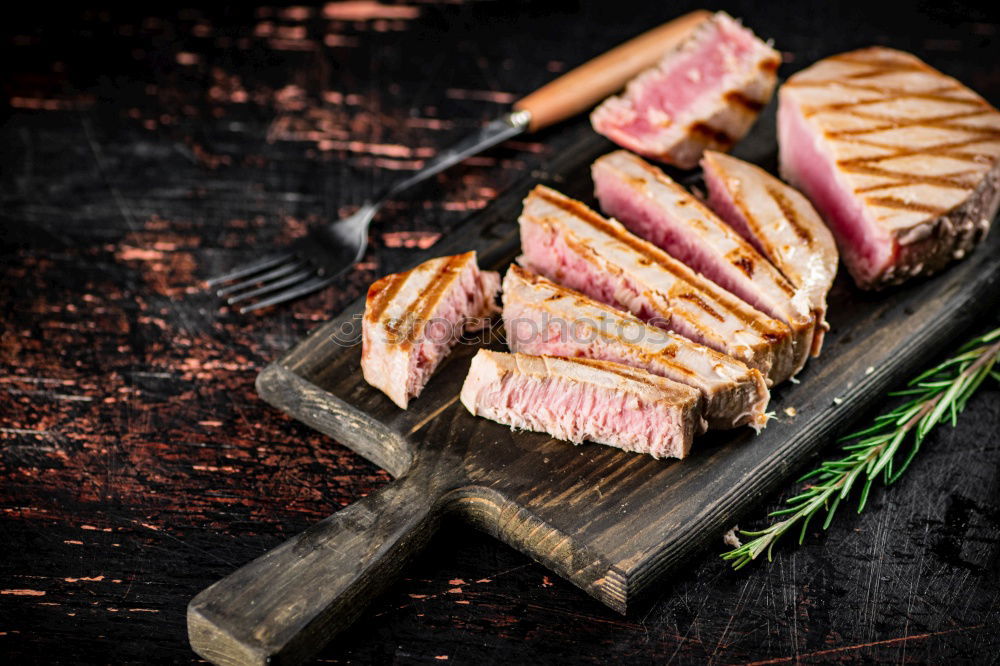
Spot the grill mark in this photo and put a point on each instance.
(745, 264)
(698, 301)
(887, 186)
(883, 70)
(387, 293)
(788, 211)
(769, 65)
(668, 387)
(766, 248)
(892, 93)
(942, 149)
(416, 313)
(897, 122)
(893, 202)
(757, 321)
(897, 57)
(869, 87)
(712, 134)
(901, 179)
(737, 98)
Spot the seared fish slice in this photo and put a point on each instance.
(781, 224)
(413, 319)
(704, 94)
(581, 399)
(656, 208)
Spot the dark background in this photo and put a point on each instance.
(148, 147)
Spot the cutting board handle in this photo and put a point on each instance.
(285, 605)
(591, 82)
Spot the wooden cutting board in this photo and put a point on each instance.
(613, 523)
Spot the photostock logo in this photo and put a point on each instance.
(348, 332)
(519, 332)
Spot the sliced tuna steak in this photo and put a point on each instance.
(543, 318)
(653, 206)
(781, 224)
(413, 319)
(567, 242)
(581, 399)
(706, 93)
(901, 161)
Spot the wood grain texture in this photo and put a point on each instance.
(147, 147)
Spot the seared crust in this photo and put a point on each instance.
(928, 248)
(683, 300)
(781, 223)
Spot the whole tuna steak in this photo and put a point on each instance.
(901, 161)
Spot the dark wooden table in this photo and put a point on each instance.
(145, 149)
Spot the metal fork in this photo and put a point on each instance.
(327, 252)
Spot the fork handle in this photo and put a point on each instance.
(592, 81)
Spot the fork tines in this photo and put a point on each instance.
(284, 273)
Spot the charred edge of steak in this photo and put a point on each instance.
(931, 246)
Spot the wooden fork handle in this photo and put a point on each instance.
(591, 82)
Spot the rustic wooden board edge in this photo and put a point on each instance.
(298, 397)
(482, 507)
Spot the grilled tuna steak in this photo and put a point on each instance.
(413, 319)
(653, 206)
(902, 162)
(582, 399)
(781, 224)
(706, 93)
(542, 318)
(567, 242)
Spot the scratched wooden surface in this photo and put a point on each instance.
(145, 149)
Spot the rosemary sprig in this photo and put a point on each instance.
(936, 395)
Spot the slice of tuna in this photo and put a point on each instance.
(413, 319)
(902, 162)
(656, 208)
(545, 319)
(706, 93)
(569, 243)
(582, 399)
(781, 224)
